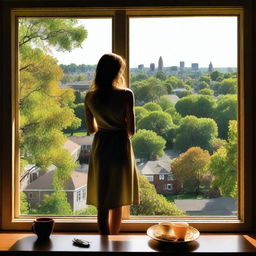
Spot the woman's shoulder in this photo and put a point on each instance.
(125, 91)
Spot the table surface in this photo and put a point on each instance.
(124, 244)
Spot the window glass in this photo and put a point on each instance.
(57, 59)
(183, 71)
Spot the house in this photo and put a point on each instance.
(32, 172)
(85, 143)
(158, 173)
(75, 187)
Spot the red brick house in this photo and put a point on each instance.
(159, 174)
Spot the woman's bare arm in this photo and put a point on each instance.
(89, 118)
(130, 115)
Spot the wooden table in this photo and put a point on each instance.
(125, 244)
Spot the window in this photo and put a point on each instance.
(169, 177)
(161, 177)
(169, 186)
(11, 218)
(150, 178)
(78, 196)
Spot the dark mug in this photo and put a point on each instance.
(43, 228)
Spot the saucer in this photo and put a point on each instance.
(155, 233)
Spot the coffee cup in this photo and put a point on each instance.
(166, 228)
(180, 229)
(43, 227)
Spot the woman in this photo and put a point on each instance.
(112, 177)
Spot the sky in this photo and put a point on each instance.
(190, 39)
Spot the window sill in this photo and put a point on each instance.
(125, 244)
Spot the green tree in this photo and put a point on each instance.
(148, 90)
(197, 105)
(152, 106)
(161, 75)
(206, 91)
(157, 121)
(194, 132)
(91, 210)
(226, 110)
(190, 168)
(223, 165)
(55, 204)
(165, 103)
(228, 86)
(176, 117)
(44, 107)
(148, 145)
(152, 203)
(216, 75)
(140, 112)
(174, 82)
(24, 207)
(139, 77)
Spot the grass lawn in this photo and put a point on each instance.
(171, 198)
(80, 133)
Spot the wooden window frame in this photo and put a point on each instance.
(10, 219)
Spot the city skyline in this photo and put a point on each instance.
(189, 39)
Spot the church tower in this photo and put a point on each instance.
(160, 64)
(210, 68)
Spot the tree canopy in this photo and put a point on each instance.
(194, 132)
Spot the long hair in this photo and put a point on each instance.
(109, 72)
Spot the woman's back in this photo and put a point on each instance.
(109, 108)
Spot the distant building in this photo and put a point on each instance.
(174, 68)
(182, 65)
(210, 68)
(160, 64)
(152, 67)
(158, 173)
(79, 86)
(141, 67)
(194, 67)
(75, 187)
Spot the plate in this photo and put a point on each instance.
(155, 233)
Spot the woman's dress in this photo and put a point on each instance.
(112, 176)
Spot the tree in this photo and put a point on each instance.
(206, 91)
(165, 103)
(152, 106)
(197, 105)
(161, 75)
(194, 132)
(55, 204)
(147, 144)
(157, 121)
(140, 112)
(90, 210)
(228, 86)
(44, 107)
(152, 203)
(190, 168)
(139, 77)
(216, 75)
(223, 165)
(226, 110)
(174, 82)
(176, 117)
(148, 90)
(24, 207)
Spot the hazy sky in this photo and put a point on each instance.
(189, 39)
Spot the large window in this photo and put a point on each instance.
(186, 68)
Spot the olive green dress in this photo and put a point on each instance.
(112, 176)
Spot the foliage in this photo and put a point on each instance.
(73, 78)
(165, 103)
(157, 121)
(223, 164)
(44, 107)
(140, 112)
(190, 167)
(148, 90)
(55, 204)
(228, 86)
(147, 144)
(174, 82)
(216, 75)
(194, 132)
(184, 93)
(152, 106)
(176, 117)
(226, 110)
(197, 105)
(74, 68)
(161, 75)
(206, 91)
(88, 211)
(152, 203)
(139, 77)
(24, 208)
